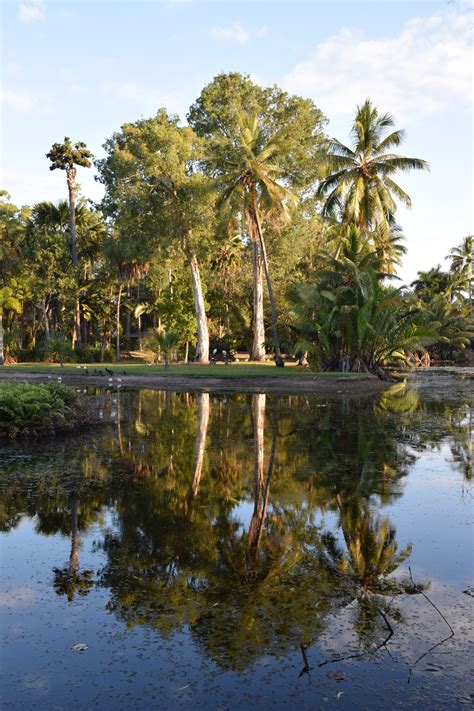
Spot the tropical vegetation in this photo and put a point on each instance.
(247, 228)
(39, 409)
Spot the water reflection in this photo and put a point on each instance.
(246, 520)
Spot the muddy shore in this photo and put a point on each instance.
(325, 385)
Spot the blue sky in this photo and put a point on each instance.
(83, 68)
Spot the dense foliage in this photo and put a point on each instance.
(245, 229)
(40, 409)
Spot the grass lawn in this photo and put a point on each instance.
(232, 370)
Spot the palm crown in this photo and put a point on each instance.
(359, 186)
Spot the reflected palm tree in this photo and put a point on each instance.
(372, 550)
(70, 580)
(365, 569)
(253, 558)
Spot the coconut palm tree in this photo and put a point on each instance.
(359, 187)
(461, 262)
(250, 176)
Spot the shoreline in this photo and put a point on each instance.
(325, 385)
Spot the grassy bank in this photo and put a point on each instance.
(232, 370)
(42, 409)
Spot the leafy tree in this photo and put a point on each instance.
(13, 280)
(155, 193)
(55, 282)
(249, 176)
(217, 115)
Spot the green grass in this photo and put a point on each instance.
(232, 370)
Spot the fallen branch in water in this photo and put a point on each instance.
(438, 644)
(306, 669)
(366, 653)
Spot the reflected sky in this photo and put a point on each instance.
(197, 543)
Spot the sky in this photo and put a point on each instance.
(83, 68)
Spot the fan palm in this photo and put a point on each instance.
(359, 186)
(250, 174)
(65, 156)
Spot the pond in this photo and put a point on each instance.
(244, 551)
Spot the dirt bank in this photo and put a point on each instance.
(326, 385)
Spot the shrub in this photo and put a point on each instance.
(57, 348)
(160, 346)
(40, 409)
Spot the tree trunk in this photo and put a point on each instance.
(200, 445)
(71, 186)
(46, 319)
(202, 348)
(186, 351)
(117, 324)
(2, 354)
(258, 327)
(278, 359)
(74, 556)
(139, 318)
(128, 321)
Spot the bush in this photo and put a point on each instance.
(87, 354)
(160, 346)
(40, 409)
(57, 348)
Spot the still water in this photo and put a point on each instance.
(242, 552)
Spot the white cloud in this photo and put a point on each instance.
(145, 98)
(27, 186)
(13, 69)
(234, 32)
(31, 11)
(25, 101)
(17, 100)
(424, 69)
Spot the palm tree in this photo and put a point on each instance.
(250, 174)
(389, 247)
(359, 187)
(65, 156)
(461, 262)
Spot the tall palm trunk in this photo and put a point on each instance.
(276, 338)
(71, 186)
(202, 347)
(2, 355)
(258, 326)
(117, 323)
